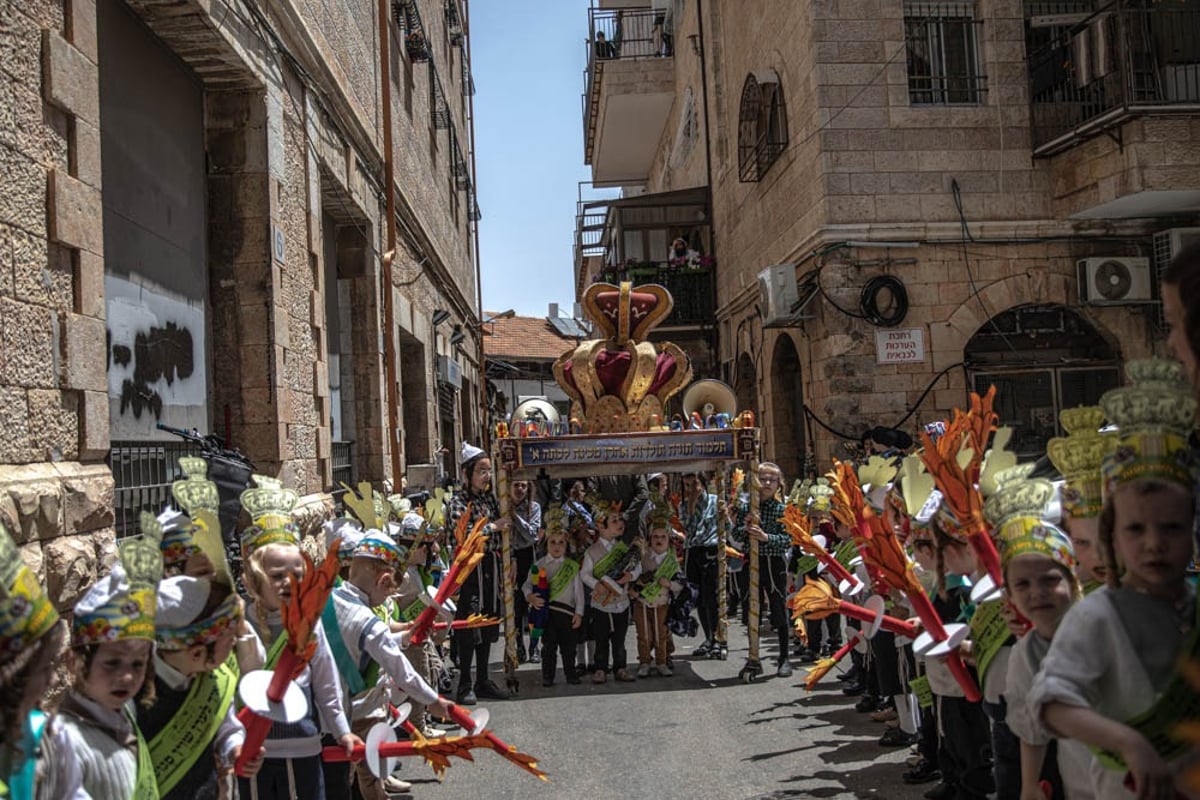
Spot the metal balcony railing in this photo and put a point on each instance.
(343, 466)
(143, 473)
(616, 35)
(1123, 60)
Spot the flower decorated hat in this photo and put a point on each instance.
(26, 613)
(177, 621)
(270, 506)
(379, 546)
(1079, 456)
(1155, 415)
(1018, 512)
(122, 605)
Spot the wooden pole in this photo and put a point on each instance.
(722, 632)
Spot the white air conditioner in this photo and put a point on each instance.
(1115, 280)
(777, 293)
(1168, 244)
(449, 372)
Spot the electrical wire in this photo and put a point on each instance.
(956, 191)
(869, 301)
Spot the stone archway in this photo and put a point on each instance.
(785, 437)
(1041, 358)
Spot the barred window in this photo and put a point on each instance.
(762, 125)
(944, 66)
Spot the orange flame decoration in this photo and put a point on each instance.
(849, 508)
(814, 600)
(887, 562)
(438, 752)
(309, 596)
(735, 485)
(796, 523)
(470, 548)
(821, 668)
(953, 460)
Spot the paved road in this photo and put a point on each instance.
(700, 733)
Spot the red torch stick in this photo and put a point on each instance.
(933, 626)
(256, 725)
(888, 623)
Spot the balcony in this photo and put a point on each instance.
(629, 85)
(691, 287)
(1121, 62)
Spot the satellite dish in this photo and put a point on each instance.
(1113, 280)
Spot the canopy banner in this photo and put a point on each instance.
(662, 448)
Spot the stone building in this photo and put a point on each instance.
(519, 353)
(195, 233)
(1017, 171)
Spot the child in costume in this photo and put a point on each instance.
(31, 637)
(652, 595)
(774, 549)
(1039, 579)
(272, 558)
(1110, 678)
(410, 533)
(94, 747)
(369, 656)
(193, 735)
(564, 601)
(609, 565)
(526, 515)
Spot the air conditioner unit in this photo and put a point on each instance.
(1168, 244)
(777, 293)
(449, 372)
(1115, 280)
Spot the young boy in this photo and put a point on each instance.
(368, 654)
(653, 596)
(191, 728)
(565, 601)
(608, 567)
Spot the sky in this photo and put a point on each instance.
(528, 58)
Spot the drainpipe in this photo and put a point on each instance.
(485, 435)
(714, 347)
(389, 310)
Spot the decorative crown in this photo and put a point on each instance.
(1018, 495)
(602, 506)
(915, 484)
(555, 519)
(1155, 416)
(1079, 456)
(622, 382)
(366, 505)
(26, 613)
(798, 496)
(122, 605)
(270, 506)
(997, 460)
(820, 498)
(660, 513)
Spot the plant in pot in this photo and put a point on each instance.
(416, 46)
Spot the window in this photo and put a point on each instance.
(688, 132)
(762, 125)
(943, 54)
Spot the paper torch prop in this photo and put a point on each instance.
(796, 523)
(954, 462)
(468, 555)
(270, 695)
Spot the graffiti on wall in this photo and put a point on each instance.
(156, 359)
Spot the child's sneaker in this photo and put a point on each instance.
(643, 671)
(599, 676)
(665, 671)
(625, 676)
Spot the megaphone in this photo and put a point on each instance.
(709, 398)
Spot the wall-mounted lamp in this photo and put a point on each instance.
(440, 316)
(457, 337)
(510, 313)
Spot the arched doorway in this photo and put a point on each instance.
(787, 409)
(1041, 359)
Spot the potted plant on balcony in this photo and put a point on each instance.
(417, 47)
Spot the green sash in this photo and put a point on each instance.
(276, 649)
(357, 680)
(177, 747)
(666, 569)
(989, 633)
(413, 610)
(602, 567)
(923, 691)
(146, 784)
(562, 579)
(1178, 702)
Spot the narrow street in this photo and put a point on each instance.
(699, 733)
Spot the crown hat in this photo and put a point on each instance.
(26, 613)
(555, 520)
(1018, 512)
(122, 605)
(1079, 456)
(603, 507)
(660, 513)
(177, 543)
(1155, 415)
(820, 498)
(270, 506)
(180, 600)
(379, 546)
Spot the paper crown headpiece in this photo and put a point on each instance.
(603, 507)
(122, 605)
(1154, 415)
(198, 496)
(1018, 512)
(181, 599)
(915, 485)
(996, 460)
(555, 519)
(366, 505)
(660, 512)
(270, 506)
(798, 496)
(820, 498)
(874, 477)
(26, 613)
(622, 382)
(1079, 456)
(381, 547)
(177, 542)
